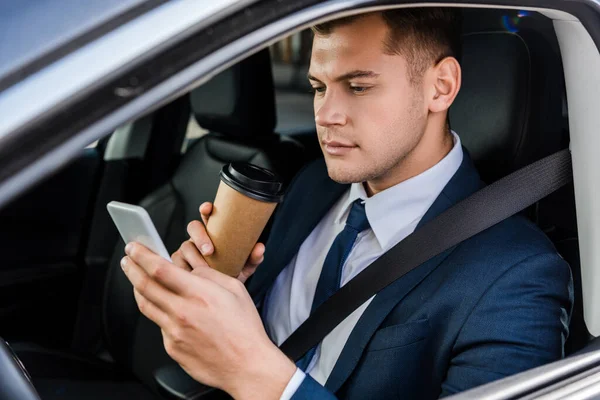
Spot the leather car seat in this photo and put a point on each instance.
(508, 114)
(238, 108)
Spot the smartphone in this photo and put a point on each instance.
(135, 225)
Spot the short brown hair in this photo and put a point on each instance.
(424, 36)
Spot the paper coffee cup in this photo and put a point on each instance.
(246, 199)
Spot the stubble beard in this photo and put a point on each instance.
(379, 170)
(374, 172)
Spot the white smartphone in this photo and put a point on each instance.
(135, 225)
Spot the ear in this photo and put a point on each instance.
(446, 80)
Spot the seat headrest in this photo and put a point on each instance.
(506, 113)
(239, 101)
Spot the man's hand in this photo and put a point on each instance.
(210, 326)
(190, 255)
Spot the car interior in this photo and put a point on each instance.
(67, 309)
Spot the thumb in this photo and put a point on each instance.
(247, 272)
(256, 258)
(205, 211)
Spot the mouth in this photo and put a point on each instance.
(335, 148)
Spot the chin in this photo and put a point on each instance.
(343, 173)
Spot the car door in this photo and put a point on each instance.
(42, 237)
(57, 238)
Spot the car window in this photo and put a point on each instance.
(294, 101)
(290, 59)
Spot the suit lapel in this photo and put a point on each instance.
(309, 201)
(383, 303)
(463, 183)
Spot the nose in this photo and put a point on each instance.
(329, 111)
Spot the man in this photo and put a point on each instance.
(492, 306)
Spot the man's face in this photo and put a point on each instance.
(369, 115)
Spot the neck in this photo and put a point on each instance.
(430, 150)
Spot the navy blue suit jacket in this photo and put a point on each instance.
(494, 305)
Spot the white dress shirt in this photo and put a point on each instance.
(393, 214)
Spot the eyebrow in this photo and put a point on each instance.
(347, 76)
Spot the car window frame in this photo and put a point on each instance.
(176, 69)
(76, 42)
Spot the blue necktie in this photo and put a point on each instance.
(331, 274)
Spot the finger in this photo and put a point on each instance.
(176, 280)
(180, 261)
(159, 270)
(256, 256)
(254, 260)
(205, 211)
(192, 256)
(147, 286)
(247, 272)
(224, 281)
(198, 234)
(150, 310)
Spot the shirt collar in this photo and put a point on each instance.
(390, 211)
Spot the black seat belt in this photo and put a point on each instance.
(476, 213)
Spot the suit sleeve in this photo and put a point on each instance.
(520, 322)
(312, 390)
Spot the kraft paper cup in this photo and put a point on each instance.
(245, 200)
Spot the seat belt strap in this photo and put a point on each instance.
(476, 213)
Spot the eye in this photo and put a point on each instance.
(318, 90)
(359, 89)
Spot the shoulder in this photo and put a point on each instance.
(514, 247)
(314, 170)
(516, 236)
(300, 190)
(310, 182)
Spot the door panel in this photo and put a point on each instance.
(42, 235)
